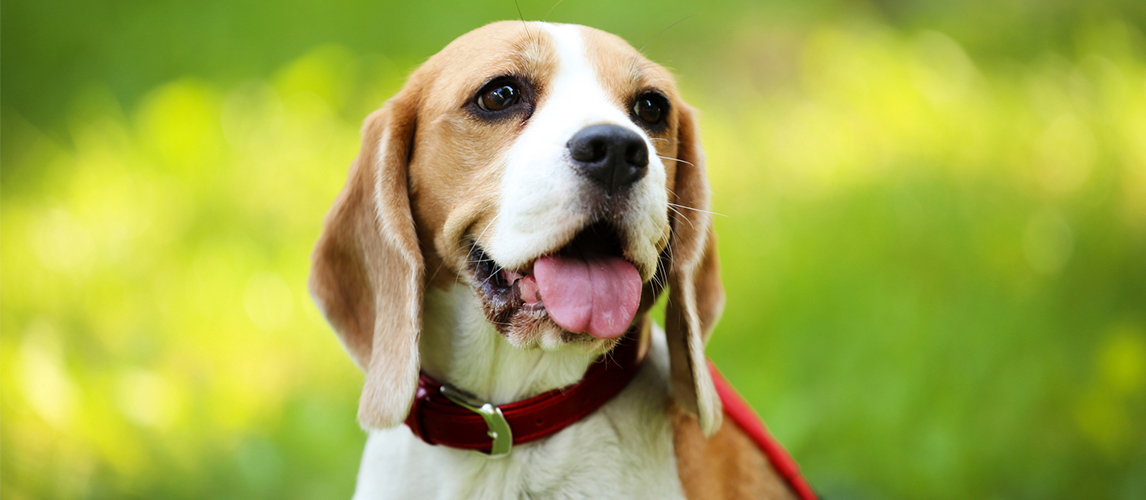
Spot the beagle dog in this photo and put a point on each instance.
(513, 214)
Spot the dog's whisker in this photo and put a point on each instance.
(642, 49)
(492, 222)
(546, 18)
(681, 215)
(435, 273)
(491, 276)
(535, 36)
(658, 280)
(697, 210)
(675, 159)
(519, 16)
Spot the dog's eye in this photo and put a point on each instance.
(498, 96)
(650, 107)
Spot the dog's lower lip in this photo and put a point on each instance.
(526, 287)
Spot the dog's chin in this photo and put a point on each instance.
(512, 302)
(529, 326)
(544, 334)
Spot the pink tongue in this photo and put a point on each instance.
(597, 294)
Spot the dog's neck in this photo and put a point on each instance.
(460, 347)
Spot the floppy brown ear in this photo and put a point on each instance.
(696, 295)
(367, 268)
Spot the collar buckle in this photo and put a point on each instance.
(499, 429)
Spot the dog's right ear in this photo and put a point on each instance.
(367, 268)
(696, 295)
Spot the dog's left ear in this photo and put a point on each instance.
(367, 267)
(696, 295)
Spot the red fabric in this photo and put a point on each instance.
(739, 412)
(437, 420)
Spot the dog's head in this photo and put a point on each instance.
(554, 170)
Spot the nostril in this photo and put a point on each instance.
(637, 155)
(592, 150)
(600, 150)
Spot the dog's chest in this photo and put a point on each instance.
(624, 450)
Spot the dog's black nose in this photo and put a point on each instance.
(612, 156)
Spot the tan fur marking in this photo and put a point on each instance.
(458, 160)
(621, 69)
(726, 465)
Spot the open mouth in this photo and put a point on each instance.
(587, 286)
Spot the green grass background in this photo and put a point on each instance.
(934, 235)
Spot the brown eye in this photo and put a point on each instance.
(650, 108)
(498, 96)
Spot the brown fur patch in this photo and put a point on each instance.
(726, 465)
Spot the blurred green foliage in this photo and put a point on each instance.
(934, 244)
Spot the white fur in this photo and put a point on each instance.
(542, 201)
(459, 345)
(623, 450)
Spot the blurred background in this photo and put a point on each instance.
(934, 235)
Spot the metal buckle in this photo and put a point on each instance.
(499, 429)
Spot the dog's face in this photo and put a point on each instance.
(539, 164)
(552, 143)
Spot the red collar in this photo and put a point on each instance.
(446, 416)
(455, 420)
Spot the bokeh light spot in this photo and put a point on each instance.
(44, 379)
(269, 302)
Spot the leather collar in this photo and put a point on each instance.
(442, 415)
